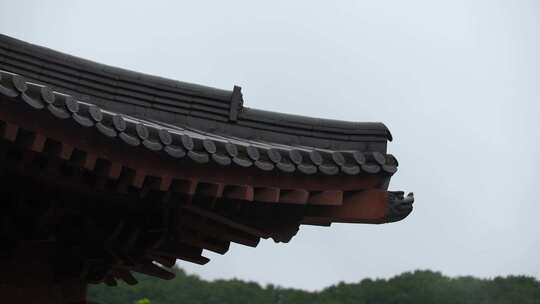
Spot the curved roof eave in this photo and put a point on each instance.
(168, 100)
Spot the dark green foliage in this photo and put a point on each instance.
(417, 287)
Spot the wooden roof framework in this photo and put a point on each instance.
(130, 172)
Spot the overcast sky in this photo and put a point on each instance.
(457, 82)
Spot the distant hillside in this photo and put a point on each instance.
(415, 288)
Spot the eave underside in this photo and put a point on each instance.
(105, 226)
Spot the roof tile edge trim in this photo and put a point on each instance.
(199, 147)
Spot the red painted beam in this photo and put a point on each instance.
(368, 206)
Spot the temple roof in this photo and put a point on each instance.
(193, 124)
(198, 166)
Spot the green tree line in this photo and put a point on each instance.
(411, 287)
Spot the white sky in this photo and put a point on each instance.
(457, 83)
